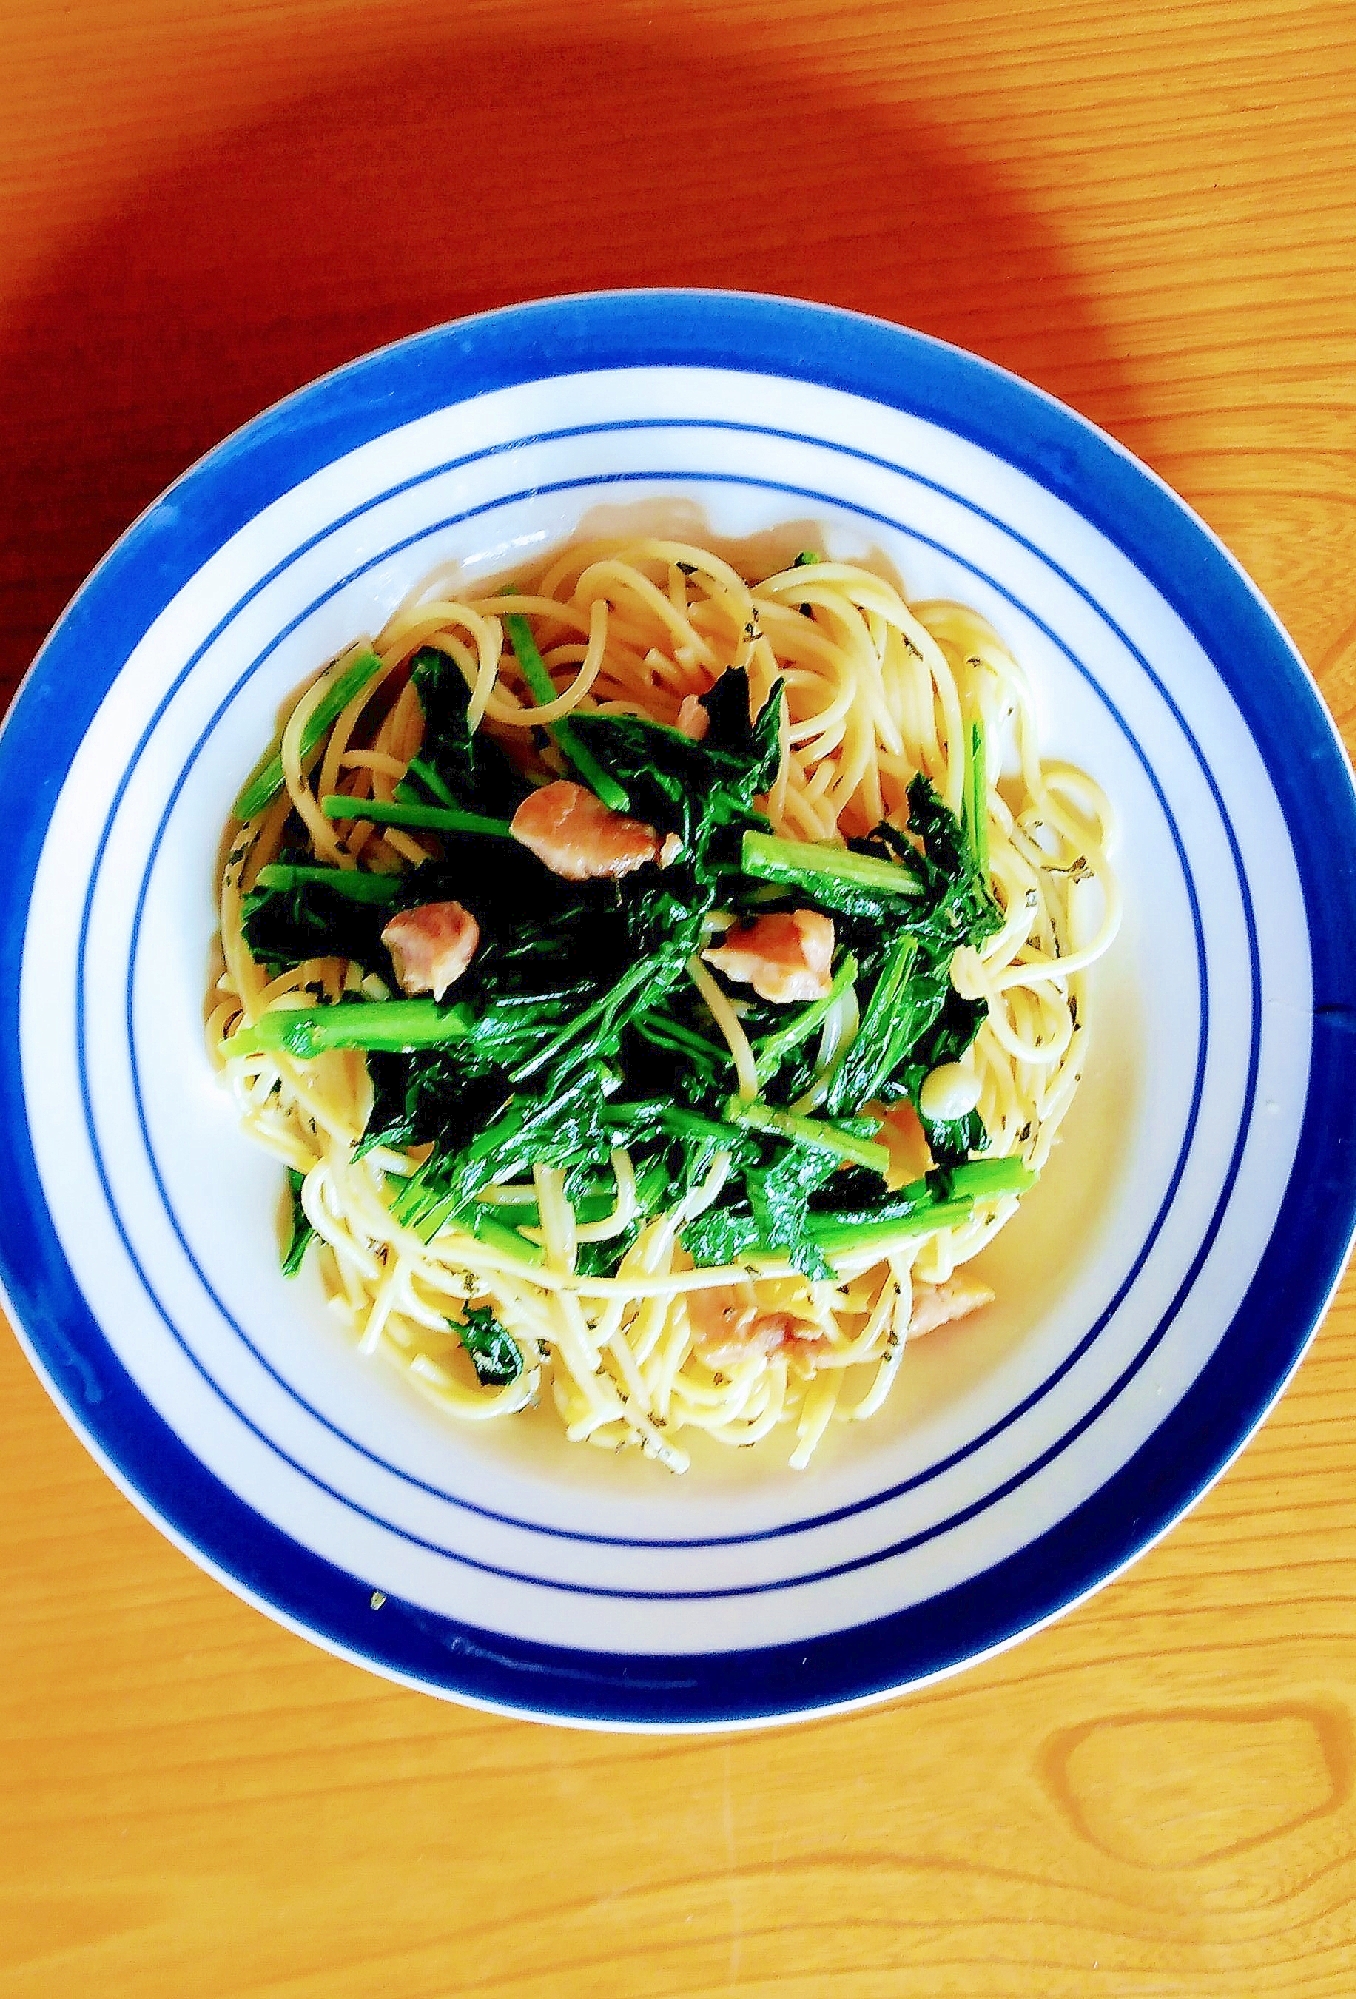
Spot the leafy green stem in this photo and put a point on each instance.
(393, 1026)
(806, 864)
(609, 1004)
(436, 818)
(975, 805)
(840, 1239)
(835, 1138)
(266, 779)
(543, 691)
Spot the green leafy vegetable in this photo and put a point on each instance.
(836, 877)
(300, 1234)
(976, 806)
(563, 732)
(975, 1180)
(845, 1141)
(401, 1025)
(435, 818)
(495, 1354)
(577, 1030)
(457, 765)
(294, 913)
(350, 882)
(266, 779)
(887, 1033)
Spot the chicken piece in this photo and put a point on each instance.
(431, 946)
(693, 719)
(783, 957)
(937, 1304)
(577, 837)
(726, 1331)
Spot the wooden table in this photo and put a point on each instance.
(1147, 209)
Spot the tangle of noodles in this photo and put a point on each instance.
(876, 690)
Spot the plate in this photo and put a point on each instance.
(1156, 1292)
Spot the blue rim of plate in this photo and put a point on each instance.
(1303, 756)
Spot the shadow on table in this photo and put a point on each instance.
(483, 173)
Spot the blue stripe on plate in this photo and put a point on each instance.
(1018, 424)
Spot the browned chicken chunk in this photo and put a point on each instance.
(783, 957)
(578, 837)
(726, 1330)
(431, 946)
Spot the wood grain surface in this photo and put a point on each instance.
(1147, 209)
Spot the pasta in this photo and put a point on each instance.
(598, 1281)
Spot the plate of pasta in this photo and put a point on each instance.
(675, 994)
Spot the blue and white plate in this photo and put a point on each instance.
(1157, 1289)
